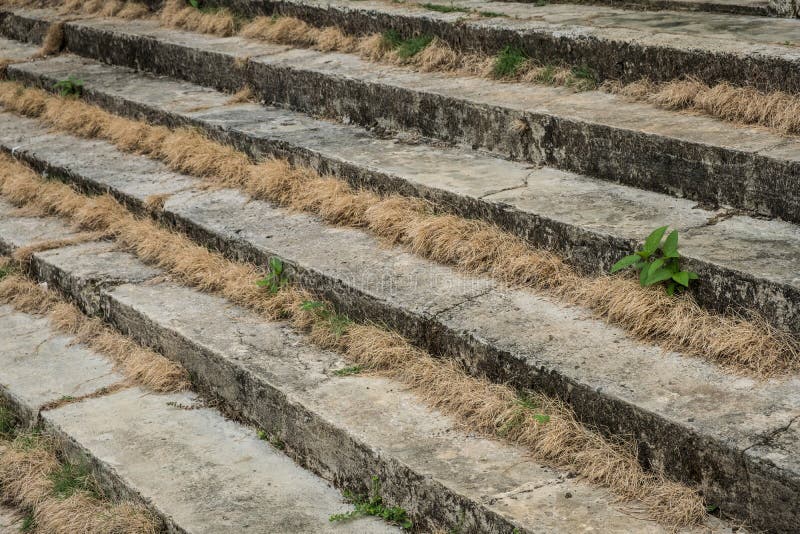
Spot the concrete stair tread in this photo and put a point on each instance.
(589, 221)
(555, 347)
(16, 50)
(200, 471)
(592, 133)
(591, 106)
(763, 8)
(10, 521)
(126, 430)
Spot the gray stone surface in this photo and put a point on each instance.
(590, 222)
(15, 50)
(38, 365)
(693, 419)
(10, 520)
(19, 232)
(594, 133)
(345, 421)
(206, 473)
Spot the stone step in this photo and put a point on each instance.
(345, 428)
(762, 8)
(10, 520)
(616, 43)
(590, 222)
(593, 133)
(697, 422)
(198, 471)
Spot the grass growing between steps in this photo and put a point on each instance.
(743, 345)
(486, 407)
(61, 497)
(742, 105)
(137, 363)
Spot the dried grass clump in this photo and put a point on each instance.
(24, 254)
(744, 105)
(545, 426)
(177, 14)
(245, 94)
(53, 40)
(26, 465)
(473, 246)
(105, 8)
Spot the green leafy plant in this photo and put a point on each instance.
(194, 3)
(658, 262)
(372, 505)
(508, 62)
(276, 278)
(5, 270)
(336, 322)
(69, 87)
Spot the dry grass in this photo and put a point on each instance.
(744, 105)
(137, 363)
(487, 407)
(177, 14)
(26, 466)
(245, 94)
(53, 40)
(24, 254)
(747, 345)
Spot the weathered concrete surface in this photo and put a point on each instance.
(20, 232)
(593, 133)
(614, 42)
(762, 8)
(626, 387)
(590, 222)
(15, 50)
(206, 473)
(10, 520)
(38, 365)
(199, 471)
(347, 428)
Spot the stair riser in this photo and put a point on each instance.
(608, 58)
(720, 289)
(704, 173)
(721, 471)
(312, 441)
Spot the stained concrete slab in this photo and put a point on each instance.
(631, 387)
(19, 231)
(16, 50)
(590, 222)
(592, 133)
(10, 520)
(38, 365)
(206, 473)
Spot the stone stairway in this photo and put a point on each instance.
(589, 176)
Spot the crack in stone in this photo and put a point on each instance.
(462, 302)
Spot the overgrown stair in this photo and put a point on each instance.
(605, 172)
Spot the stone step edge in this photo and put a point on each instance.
(429, 333)
(712, 174)
(726, 288)
(764, 9)
(611, 58)
(303, 431)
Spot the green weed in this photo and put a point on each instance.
(658, 263)
(336, 322)
(526, 406)
(70, 478)
(272, 439)
(28, 523)
(6, 270)
(490, 14)
(8, 423)
(348, 371)
(69, 87)
(373, 506)
(582, 78)
(276, 278)
(405, 48)
(508, 62)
